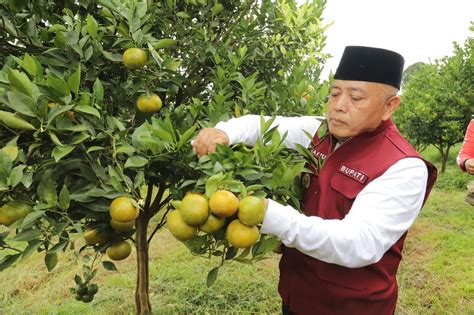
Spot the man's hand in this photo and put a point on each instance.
(207, 139)
(470, 166)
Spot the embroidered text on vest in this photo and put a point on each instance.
(357, 175)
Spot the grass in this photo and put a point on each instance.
(436, 275)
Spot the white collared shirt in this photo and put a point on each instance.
(379, 216)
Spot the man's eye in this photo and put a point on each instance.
(356, 99)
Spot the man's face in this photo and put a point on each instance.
(355, 107)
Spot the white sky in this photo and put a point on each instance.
(420, 30)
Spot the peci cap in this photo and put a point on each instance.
(360, 63)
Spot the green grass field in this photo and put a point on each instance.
(436, 275)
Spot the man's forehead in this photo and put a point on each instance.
(350, 85)
(362, 86)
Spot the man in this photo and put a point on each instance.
(342, 254)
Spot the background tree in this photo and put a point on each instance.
(438, 100)
(75, 144)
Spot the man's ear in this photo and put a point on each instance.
(390, 106)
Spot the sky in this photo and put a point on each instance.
(420, 30)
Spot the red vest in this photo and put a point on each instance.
(311, 286)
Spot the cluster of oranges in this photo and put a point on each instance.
(223, 210)
(136, 58)
(123, 213)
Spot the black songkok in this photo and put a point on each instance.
(359, 63)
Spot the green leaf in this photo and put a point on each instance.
(31, 248)
(47, 191)
(98, 90)
(92, 26)
(21, 81)
(27, 235)
(58, 111)
(88, 110)
(22, 104)
(186, 136)
(29, 64)
(74, 80)
(139, 179)
(135, 161)
(60, 86)
(31, 218)
(51, 260)
(58, 247)
(95, 148)
(164, 43)
(55, 138)
(112, 56)
(212, 276)
(183, 15)
(12, 121)
(8, 260)
(57, 28)
(141, 9)
(108, 265)
(64, 199)
(16, 175)
(231, 253)
(61, 151)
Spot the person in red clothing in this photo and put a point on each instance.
(342, 254)
(465, 157)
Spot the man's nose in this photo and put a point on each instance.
(340, 104)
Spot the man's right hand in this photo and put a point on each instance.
(470, 166)
(207, 139)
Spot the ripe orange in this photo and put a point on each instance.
(307, 94)
(122, 226)
(251, 210)
(123, 210)
(241, 235)
(94, 236)
(212, 224)
(13, 211)
(149, 104)
(134, 58)
(194, 209)
(223, 203)
(119, 250)
(178, 227)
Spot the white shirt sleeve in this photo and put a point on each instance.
(379, 216)
(246, 129)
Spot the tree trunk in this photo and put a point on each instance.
(444, 159)
(142, 297)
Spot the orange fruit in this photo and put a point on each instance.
(122, 226)
(13, 211)
(212, 224)
(251, 210)
(149, 104)
(122, 209)
(223, 203)
(307, 94)
(134, 58)
(194, 209)
(94, 236)
(119, 250)
(241, 235)
(178, 228)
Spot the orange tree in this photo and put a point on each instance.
(99, 100)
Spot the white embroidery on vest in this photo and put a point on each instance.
(352, 173)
